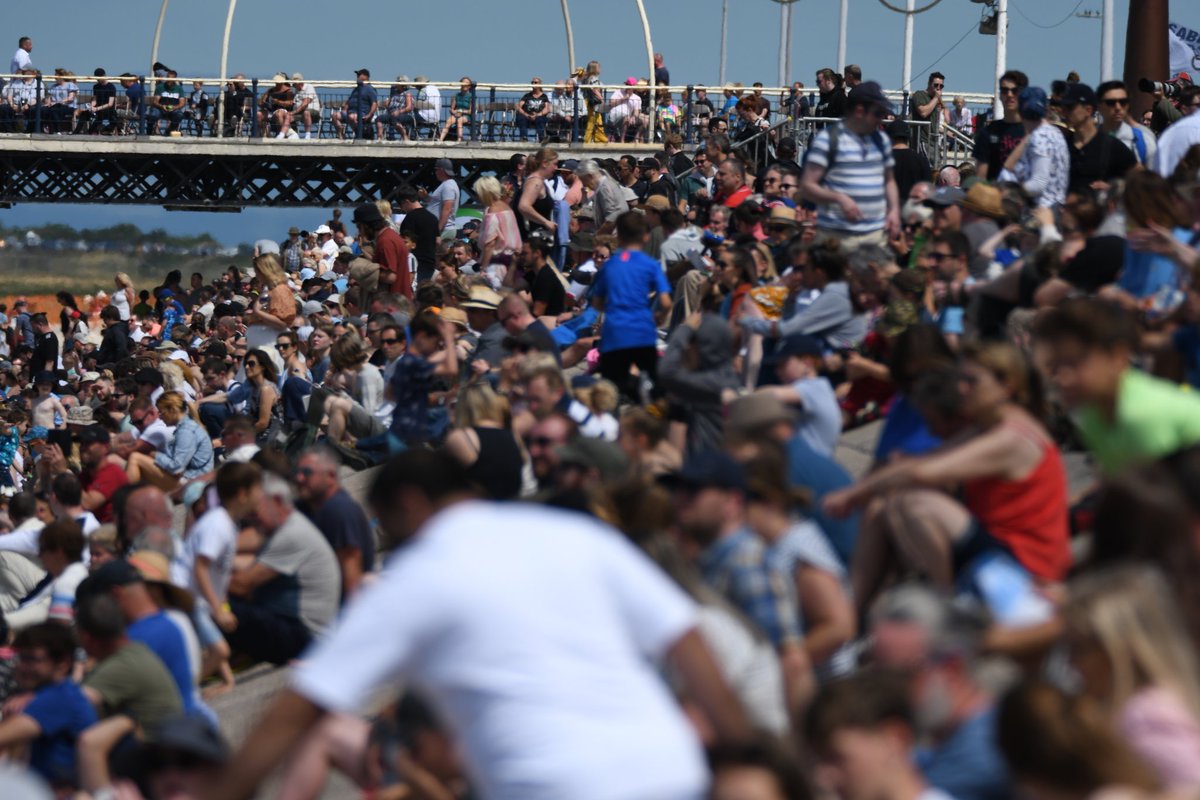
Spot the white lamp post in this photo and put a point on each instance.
(220, 124)
(162, 14)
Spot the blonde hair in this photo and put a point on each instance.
(535, 161)
(764, 252)
(488, 190)
(385, 209)
(478, 403)
(268, 267)
(601, 397)
(173, 400)
(593, 68)
(124, 279)
(1128, 613)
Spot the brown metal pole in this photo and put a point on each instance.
(1146, 52)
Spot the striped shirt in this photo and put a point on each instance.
(859, 171)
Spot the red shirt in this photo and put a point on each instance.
(737, 198)
(1030, 515)
(106, 481)
(391, 254)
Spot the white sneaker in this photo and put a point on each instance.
(291, 134)
(279, 135)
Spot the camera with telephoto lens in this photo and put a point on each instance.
(1169, 89)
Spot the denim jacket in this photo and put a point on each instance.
(189, 454)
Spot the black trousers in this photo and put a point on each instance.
(265, 635)
(615, 364)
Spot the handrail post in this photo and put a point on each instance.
(688, 130)
(575, 116)
(254, 107)
(141, 109)
(492, 105)
(472, 129)
(37, 111)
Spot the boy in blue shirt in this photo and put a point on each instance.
(626, 290)
(59, 711)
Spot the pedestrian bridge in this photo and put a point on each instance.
(208, 174)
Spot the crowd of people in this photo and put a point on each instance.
(608, 549)
(577, 107)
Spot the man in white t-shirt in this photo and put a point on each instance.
(429, 100)
(153, 434)
(21, 59)
(328, 247)
(534, 632)
(211, 543)
(442, 202)
(308, 105)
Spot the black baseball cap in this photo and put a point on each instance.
(800, 344)
(192, 735)
(868, 94)
(91, 434)
(1079, 94)
(148, 375)
(362, 71)
(109, 576)
(711, 469)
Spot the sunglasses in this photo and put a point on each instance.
(1009, 90)
(389, 341)
(540, 441)
(1113, 102)
(937, 258)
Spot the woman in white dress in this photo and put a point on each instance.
(123, 298)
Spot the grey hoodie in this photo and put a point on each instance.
(681, 244)
(699, 390)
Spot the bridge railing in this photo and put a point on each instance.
(493, 117)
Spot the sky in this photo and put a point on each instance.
(493, 40)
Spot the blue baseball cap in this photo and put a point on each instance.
(1032, 103)
(37, 432)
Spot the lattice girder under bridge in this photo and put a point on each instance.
(222, 175)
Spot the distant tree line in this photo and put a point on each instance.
(123, 233)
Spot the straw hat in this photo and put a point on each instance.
(984, 199)
(782, 215)
(455, 316)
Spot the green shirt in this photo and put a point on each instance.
(134, 682)
(916, 100)
(1154, 418)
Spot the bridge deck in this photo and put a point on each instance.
(157, 146)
